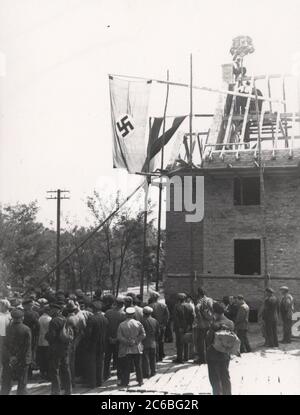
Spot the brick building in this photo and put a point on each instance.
(225, 253)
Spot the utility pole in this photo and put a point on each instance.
(59, 196)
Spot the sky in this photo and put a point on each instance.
(55, 56)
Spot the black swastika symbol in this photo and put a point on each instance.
(125, 126)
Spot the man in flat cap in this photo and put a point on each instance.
(152, 331)
(286, 308)
(130, 335)
(162, 315)
(95, 340)
(270, 318)
(59, 351)
(241, 323)
(31, 319)
(16, 354)
(115, 316)
(218, 362)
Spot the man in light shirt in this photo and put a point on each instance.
(5, 319)
(130, 335)
(43, 345)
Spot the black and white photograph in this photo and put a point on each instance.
(149, 200)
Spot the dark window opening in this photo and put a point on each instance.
(246, 191)
(247, 256)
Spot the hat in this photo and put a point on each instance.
(130, 310)
(154, 294)
(181, 296)
(57, 306)
(219, 308)
(284, 288)
(97, 305)
(43, 301)
(16, 313)
(240, 297)
(120, 301)
(147, 310)
(27, 301)
(269, 290)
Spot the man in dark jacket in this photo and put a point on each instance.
(286, 312)
(270, 318)
(95, 339)
(218, 362)
(31, 319)
(16, 354)
(59, 351)
(241, 324)
(152, 331)
(162, 315)
(203, 320)
(183, 320)
(115, 316)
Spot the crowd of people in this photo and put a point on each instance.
(73, 338)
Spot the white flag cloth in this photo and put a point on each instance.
(129, 114)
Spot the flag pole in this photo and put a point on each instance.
(191, 166)
(160, 189)
(144, 250)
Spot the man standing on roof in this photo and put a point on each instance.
(286, 312)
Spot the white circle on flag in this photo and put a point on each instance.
(124, 126)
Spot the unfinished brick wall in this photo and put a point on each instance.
(223, 222)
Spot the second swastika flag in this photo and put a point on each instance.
(129, 114)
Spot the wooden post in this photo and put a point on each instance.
(191, 165)
(160, 189)
(262, 193)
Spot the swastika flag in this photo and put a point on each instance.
(129, 115)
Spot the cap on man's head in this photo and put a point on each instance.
(130, 311)
(181, 296)
(97, 305)
(43, 301)
(119, 301)
(154, 294)
(284, 288)
(27, 301)
(147, 310)
(56, 306)
(17, 313)
(240, 297)
(269, 290)
(219, 308)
